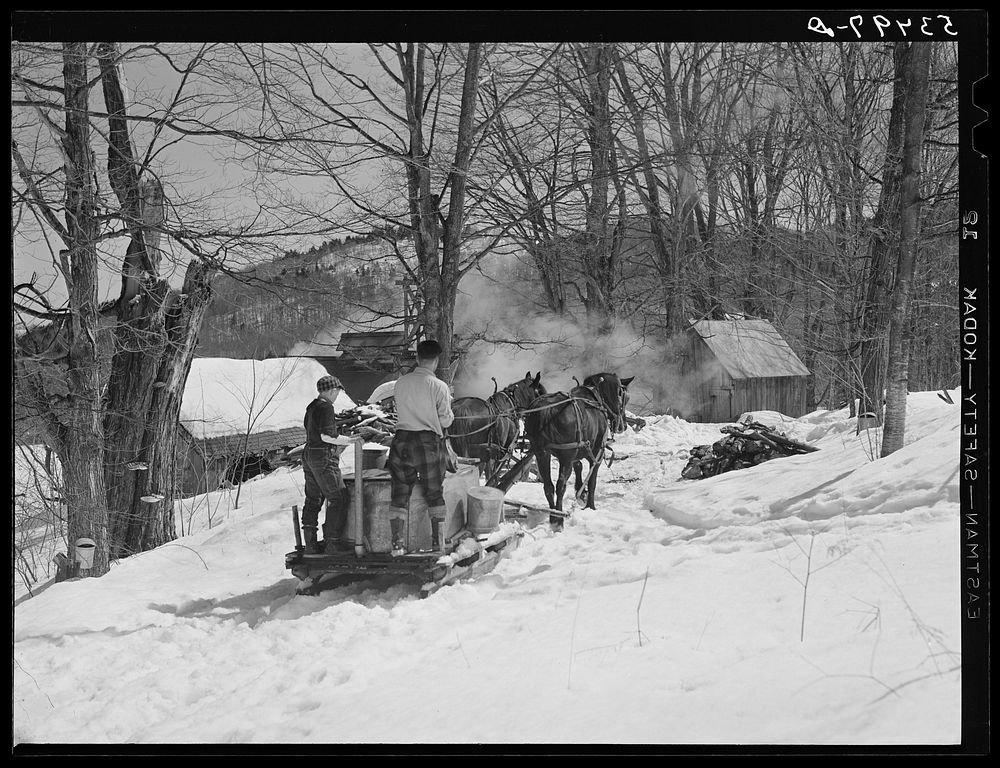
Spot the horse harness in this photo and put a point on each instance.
(495, 414)
(581, 443)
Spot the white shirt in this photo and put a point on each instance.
(423, 402)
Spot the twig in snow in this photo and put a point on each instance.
(35, 682)
(809, 570)
(917, 680)
(176, 544)
(638, 628)
(703, 629)
(927, 633)
(462, 649)
(889, 689)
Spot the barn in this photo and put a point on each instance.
(737, 365)
(237, 411)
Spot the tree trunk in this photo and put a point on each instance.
(596, 62)
(144, 427)
(899, 331)
(884, 251)
(650, 195)
(82, 450)
(154, 342)
(455, 223)
(687, 194)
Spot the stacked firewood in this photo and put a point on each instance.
(635, 422)
(370, 423)
(745, 445)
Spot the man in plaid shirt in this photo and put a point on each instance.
(417, 453)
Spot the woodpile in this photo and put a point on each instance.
(635, 422)
(745, 445)
(371, 425)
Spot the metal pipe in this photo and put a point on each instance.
(298, 531)
(359, 500)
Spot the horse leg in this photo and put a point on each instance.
(578, 481)
(592, 480)
(565, 468)
(487, 466)
(542, 461)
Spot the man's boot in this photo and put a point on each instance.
(333, 532)
(398, 545)
(437, 515)
(312, 546)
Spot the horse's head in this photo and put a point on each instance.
(613, 392)
(523, 391)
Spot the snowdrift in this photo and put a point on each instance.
(809, 600)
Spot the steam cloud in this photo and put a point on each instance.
(518, 338)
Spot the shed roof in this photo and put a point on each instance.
(749, 349)
(350, 340)
(260, 442)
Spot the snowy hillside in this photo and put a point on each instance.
(809, 600)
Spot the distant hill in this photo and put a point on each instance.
(266, 310)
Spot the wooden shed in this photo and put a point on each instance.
(366, 359)
(739, 365)
(205, 464)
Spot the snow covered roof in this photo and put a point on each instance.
(750, 349)
(224, 396)
(382, 391)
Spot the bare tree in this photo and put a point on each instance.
(883, 250)
(106, 378)
(915, 71)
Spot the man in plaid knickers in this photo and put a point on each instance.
(417, 454)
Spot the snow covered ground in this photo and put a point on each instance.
(809, 600)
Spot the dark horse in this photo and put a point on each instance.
(486, 429)
(574, 427)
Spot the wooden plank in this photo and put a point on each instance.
(534, 507)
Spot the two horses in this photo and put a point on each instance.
(574, 427)
(487, 429)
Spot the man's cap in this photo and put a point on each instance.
(428, 348)
(328, 382)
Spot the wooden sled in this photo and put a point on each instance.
(317, 572)
(466, 555)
